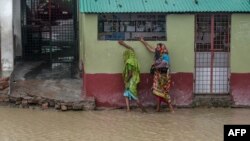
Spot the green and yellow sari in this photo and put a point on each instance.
(131, 65)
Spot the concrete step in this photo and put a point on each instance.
(25, 101)
(212, 100)
(59, 94)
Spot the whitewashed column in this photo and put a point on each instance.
(7, 49)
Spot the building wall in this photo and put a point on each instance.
(6, 24)
(240, 68)
(181, 41)
(103, 62)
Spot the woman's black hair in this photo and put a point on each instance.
(157, 52)
(160, 44)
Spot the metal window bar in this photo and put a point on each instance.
(212, 54)
(48, 28)
(49, 31)
(129, 27)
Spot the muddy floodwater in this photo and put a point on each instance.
(118, 125)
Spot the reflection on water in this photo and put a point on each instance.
(117, 125)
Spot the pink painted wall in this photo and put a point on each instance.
(240, 88)
(108, 89)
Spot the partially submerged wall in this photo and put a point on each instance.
(103, 62)
(240, 68)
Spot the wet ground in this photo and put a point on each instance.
(118, 125)
(57, 81)
(42, 70)
(63, 90)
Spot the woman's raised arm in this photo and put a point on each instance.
(122, 43)
(148, 46)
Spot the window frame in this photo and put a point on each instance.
(150, 26)
(212, 58)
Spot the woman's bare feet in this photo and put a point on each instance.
(172, 111)
(144, 110)
(158, 108)
(141, 107)
(171, 108)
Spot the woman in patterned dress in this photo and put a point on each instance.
(162, 79)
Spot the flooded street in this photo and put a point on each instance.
(117, 125)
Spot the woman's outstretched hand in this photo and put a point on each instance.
(141, 39)
(149, 47)
(121, 42)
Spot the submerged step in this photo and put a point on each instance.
(210, 100)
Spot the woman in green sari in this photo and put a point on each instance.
(131, 76)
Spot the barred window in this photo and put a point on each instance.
(216, 24)
(131, 26)
(212, 54)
